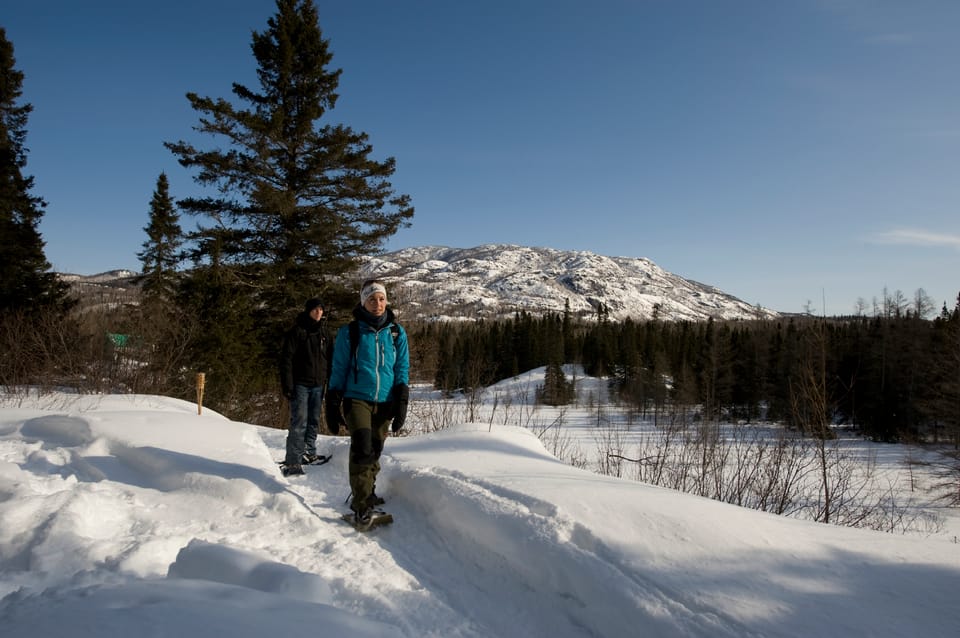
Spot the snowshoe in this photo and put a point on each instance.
(368, 519)
(291, 470)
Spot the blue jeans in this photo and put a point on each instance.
(305, 407)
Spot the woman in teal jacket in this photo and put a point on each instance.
(368, 389)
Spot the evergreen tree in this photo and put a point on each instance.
(161, 252)
(942, 402)
(297, 202)
(224, 344)
(715, 369)
(26, 281)
(556, 390)
(747, 376)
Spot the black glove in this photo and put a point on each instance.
(332, 410)
(400, 401)
(288, 394)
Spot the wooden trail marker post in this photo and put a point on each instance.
(201, 381)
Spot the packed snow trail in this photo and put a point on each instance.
(488, 554)
(511, 541)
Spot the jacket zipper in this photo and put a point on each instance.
(379, 360)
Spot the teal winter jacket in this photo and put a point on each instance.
(382, 362)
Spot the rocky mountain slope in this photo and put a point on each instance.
(496, 280)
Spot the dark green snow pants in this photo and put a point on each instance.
(368, 424)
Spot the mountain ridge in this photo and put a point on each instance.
(498, 280)
(494, 281)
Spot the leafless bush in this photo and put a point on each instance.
(946, 473)
(783, 466)
(42, 351)
(609, 442)
(558, 441)
(815, 479)
(435, 415)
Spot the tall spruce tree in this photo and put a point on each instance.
(161, 252)
(943, 402)
(26, 281)
(297, 201)
(556, 390)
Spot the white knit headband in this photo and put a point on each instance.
(371, 288)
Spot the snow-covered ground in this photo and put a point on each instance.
(134, 515)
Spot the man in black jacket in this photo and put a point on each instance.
(304, 369)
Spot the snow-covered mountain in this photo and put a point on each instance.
(106, 289)
(496, 280)
(111, 277)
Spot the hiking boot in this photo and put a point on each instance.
(307, 459)
(364, 519)
(291, 470)
(373, 500)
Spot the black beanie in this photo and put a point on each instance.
(312, 303)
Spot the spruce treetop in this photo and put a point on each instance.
(297, 201)
(26, 281)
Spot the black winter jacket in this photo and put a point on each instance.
(306, 355)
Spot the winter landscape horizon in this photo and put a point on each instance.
(497, 280)
(136, 514)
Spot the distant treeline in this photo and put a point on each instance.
(895, 377)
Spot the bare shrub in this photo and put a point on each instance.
(946, 473)
(778, 472)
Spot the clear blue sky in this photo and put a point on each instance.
(786, 152)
